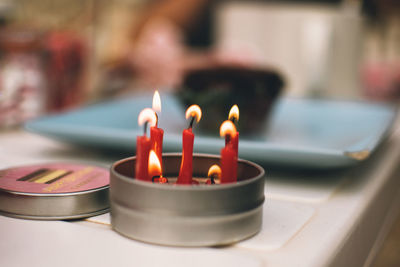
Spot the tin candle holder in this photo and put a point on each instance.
(186, 215)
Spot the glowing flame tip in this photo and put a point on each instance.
(154, 164)
(193, 111)
(234, 113)
(227, 127)
(147, 115)
(156, 102)
(214, 170)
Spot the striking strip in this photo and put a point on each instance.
(59, 177)
(50, 176)
(32, 174)
(40, 175)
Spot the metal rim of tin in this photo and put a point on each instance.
(186, 215)
(54, 206)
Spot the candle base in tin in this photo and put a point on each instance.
(186, 215)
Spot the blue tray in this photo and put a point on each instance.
(302, 132)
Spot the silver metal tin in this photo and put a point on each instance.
(54, 206)
(65, 206)
(186, 215)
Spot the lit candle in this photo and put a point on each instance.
(143, 144)
(234, 117)
(228, 154)
(185, 172)
(154, 169)
(156, 134)
(213, 173)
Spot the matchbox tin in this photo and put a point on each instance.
(186, 215)
(54, 191)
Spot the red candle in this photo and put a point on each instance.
(156, 139)
(142, 157)
(185, 172)
(228, 165)
(228, 153)
(156, 134)
(143, 145)
(234, 139)
(235, 143)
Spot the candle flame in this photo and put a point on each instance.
(154, 165)
(234, 113)
(193, 111)
(227, 127)
(215, 171)
(147, 115)
(156, 102)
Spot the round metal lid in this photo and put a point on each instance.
(54, 191)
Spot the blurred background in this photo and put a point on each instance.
(58, 54)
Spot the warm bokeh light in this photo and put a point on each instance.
(214, 171)
(234, 113)
(227, 128)
(154, 165)
(147, 115)
(156, 102)
(194, 111)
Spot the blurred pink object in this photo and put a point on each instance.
(22, 81)
(157, 55)
(160, 58)
(66, 59)
(381, 81)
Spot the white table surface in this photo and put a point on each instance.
(329, 218)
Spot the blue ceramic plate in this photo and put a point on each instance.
(301, 132)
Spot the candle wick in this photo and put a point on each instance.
(233, 120)
(155, 177)
(160, 179)
(191, 122)
(212, 179)
(145, 127)
(227, 138)
(156, 119)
